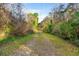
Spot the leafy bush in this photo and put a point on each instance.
(68, 30)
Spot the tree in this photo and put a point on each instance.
(33, 21)
(4, 17)
(18, 22)
(46, 25)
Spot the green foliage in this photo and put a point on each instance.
(36, 14)
(12, 43)
(49, 28)
(72, 31)
(68, 30)
(35, 21)
(77, 14)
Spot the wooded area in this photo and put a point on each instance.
(62, 22)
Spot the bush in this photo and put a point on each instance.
(68, 30)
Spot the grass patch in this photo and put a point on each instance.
(10, 44)
(62, 46)
(16, 38)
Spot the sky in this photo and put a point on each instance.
(41, 8)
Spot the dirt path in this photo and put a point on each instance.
(37, 46)
(41, 45)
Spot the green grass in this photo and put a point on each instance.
(8, 45)
(62, 46)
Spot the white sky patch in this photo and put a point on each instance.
(41, 16)
(33, 11)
